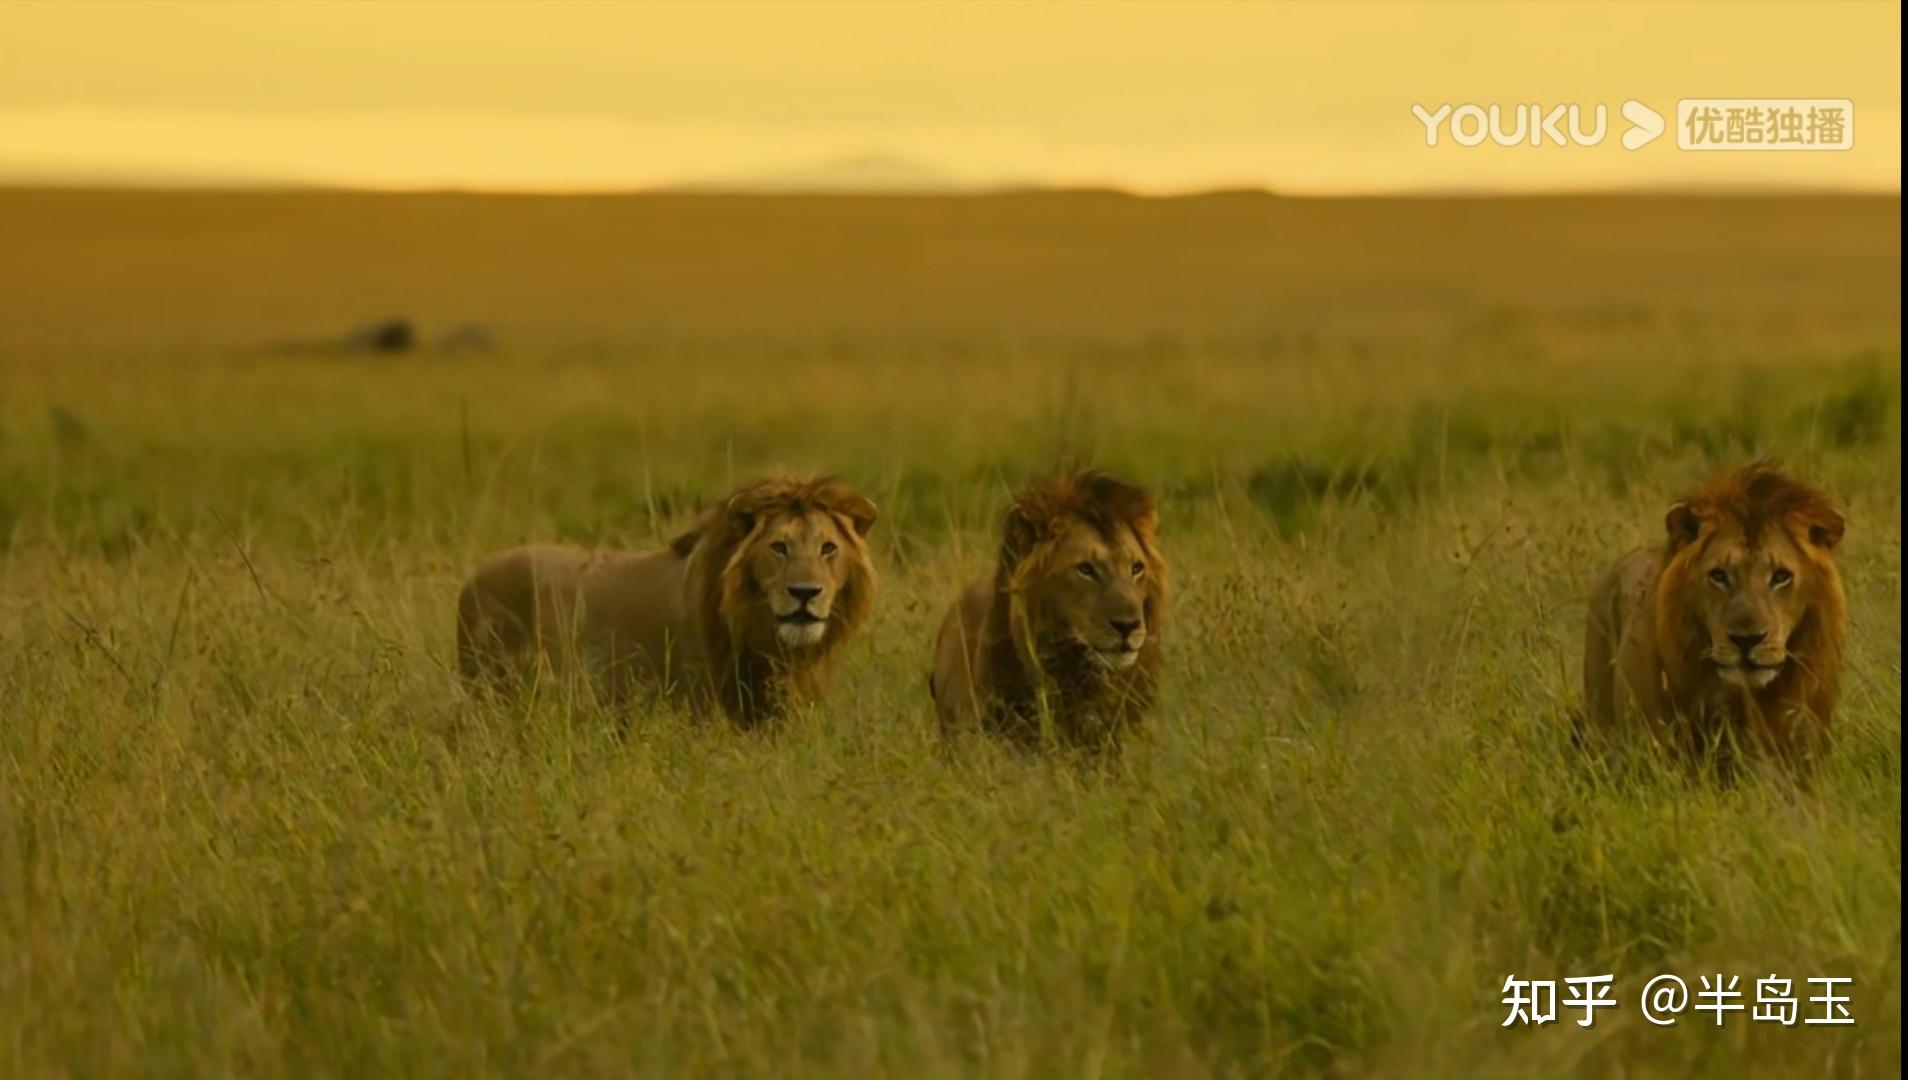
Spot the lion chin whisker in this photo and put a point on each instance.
(1749, 676)
(801, 633)
(1746, 671)
(1117, 658)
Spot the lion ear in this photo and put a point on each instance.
(860, 510)
(740, 512)
(1825, 531)
(682, 545)
(1019, 533)
(1682, 524)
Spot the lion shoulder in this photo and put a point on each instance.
(957, 675)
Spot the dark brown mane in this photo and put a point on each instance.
(1759, 495)
(1100, 499)
(1086, 706)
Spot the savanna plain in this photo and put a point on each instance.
(250, 823)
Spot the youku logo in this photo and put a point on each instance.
(1808, 124)
(1536, 125)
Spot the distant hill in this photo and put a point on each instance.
(135, 178)
(855, 174)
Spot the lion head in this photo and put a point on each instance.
(1080, 562)
(782, 574)
(1751, 594)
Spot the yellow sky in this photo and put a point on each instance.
(1312, 98)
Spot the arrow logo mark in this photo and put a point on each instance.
(1645, 125)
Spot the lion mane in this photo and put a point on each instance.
(1649, 650)
(997, 663)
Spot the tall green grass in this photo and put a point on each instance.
(249, 824)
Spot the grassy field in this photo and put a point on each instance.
(250, 825)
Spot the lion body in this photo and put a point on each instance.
(698, 621)
(618, 616)
(1016, 656)
(1658, 658)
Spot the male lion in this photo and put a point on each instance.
(1728, 638)
(1064, 637)
(743, 610)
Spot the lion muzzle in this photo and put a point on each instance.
(802, 626)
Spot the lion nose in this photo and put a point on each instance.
(1126, 627)
(1745, 642)
(804, 593)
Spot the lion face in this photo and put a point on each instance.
(1082, 561)
(1093, 597)
(796, 565)
(1750, 583)
(789, 565)
(1750, 604)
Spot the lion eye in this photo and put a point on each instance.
(828, 549)
(1139, 568)
(1720, 577)
(1781, 577)
(1086, 570)
(780, 547)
